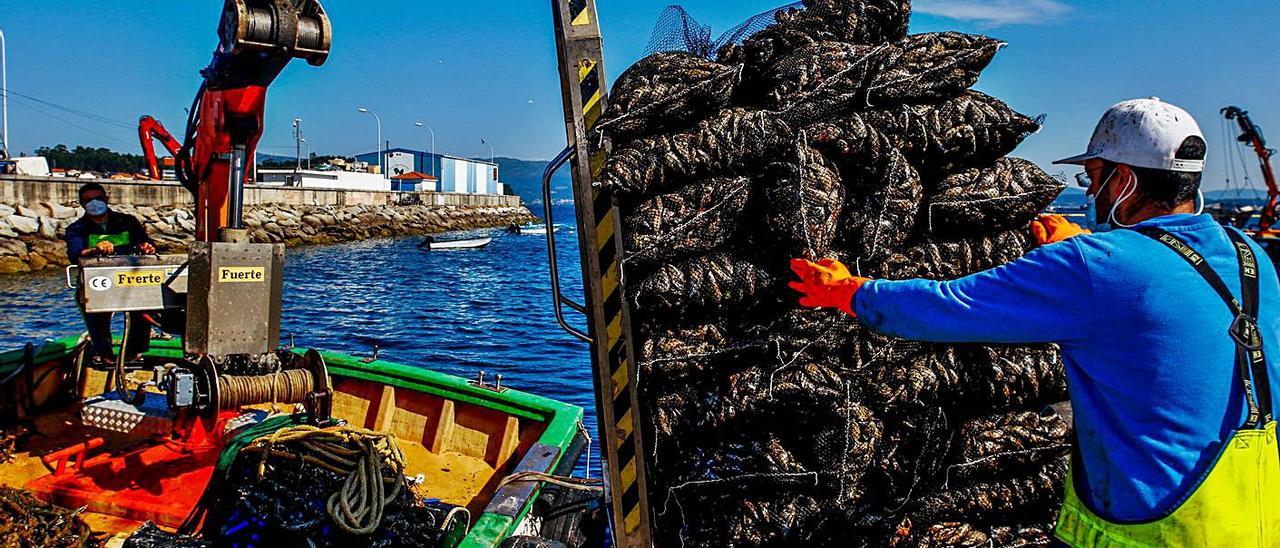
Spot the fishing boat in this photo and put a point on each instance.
(470, 243)
(463, 439)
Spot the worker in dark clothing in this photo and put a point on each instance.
(100, 232)
(1169, 330)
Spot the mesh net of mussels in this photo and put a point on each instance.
(824, 129)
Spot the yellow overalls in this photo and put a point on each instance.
(1237, 503)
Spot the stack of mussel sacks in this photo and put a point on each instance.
(830, 133)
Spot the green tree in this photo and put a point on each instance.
(98, 160)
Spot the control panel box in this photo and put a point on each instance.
(129, 283)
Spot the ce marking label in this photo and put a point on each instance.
(100, 283)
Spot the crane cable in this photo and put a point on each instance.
(122, 389)
(290, 386)
(183, 166)
(1224, 127)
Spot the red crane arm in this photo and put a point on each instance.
(149, 128)
(257, 39)
(1252, 135)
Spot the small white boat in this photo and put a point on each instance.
(539, 230)
(473, 243)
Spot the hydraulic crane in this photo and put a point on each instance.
(233, 286)
(1251, 135)
(228, 289)
(618, 410)
(148, 129)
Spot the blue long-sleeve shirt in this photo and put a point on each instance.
(1150, 366)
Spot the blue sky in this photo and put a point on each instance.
(487, 69)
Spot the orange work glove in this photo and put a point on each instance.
(105, 247)
(146, 248)
(1051, 229)
(826, 284)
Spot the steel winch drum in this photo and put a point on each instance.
(278, 25)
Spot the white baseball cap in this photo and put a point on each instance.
(1144, 133)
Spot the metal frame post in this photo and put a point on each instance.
(583, 82)
(4, 93)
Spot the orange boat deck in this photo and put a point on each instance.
(457, 448)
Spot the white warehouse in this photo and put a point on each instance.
(341, 180)
(450, 173)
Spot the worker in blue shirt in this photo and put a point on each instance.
(1168, 329)
(103, 232)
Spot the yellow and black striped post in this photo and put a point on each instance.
(599, 229)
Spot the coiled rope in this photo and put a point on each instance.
(289, 386)
(371, 461)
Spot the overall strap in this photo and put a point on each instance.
(1249, 330)
(1251, 363)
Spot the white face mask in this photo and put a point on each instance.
(1111, 222)
(1129, 191)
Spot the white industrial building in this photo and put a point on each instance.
(453, 174)
(407, 170)
(343, 180)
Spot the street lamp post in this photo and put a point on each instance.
(381, 170)
(304, 141)
(4, 95)
(297, 136)
(484, 142)
(433, 145)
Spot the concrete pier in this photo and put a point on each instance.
(35, 212)
(24, 190)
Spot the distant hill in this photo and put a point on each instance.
(525, 178)
(1245, 196)
(1074, 196)
(264, 158)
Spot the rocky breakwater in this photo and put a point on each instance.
(31, 236)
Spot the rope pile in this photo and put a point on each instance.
(284, 482)
(371, 463)
(824, 129)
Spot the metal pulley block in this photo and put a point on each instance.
(297, 28)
